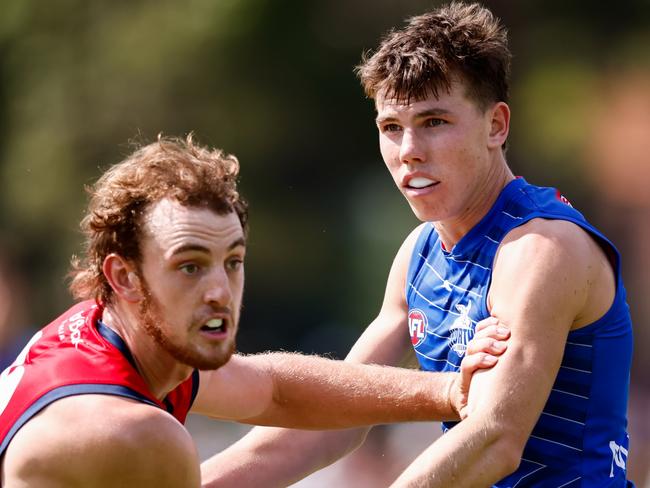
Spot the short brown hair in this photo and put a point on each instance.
(172, 168)
(458, 39)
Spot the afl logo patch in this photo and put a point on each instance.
(417, 326)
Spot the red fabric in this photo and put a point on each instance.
(71, 351)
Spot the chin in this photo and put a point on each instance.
(212, 360)
(426, 215)
(206, 363)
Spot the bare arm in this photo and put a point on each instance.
(101, 441)
(278, 457)
(546, 277)
(274, 457)
(310, 392)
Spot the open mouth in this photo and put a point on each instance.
(214, 325)
(420, 182)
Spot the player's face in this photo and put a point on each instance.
(193, 280)
(437, 151)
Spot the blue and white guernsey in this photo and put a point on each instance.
(580, 439)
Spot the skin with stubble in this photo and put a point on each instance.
(176, 306)
(164, 311)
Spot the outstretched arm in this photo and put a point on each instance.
(278, 457)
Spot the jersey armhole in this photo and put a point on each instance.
(66, 391)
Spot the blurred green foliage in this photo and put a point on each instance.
(273, 83)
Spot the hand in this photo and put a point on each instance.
(489, 341)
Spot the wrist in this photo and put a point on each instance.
(450, 390)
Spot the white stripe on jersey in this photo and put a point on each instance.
(445, 283)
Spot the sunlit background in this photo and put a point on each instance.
(273, 83)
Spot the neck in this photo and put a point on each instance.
(452, 230)
(160, 371)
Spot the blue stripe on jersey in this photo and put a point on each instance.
(67, 391)
(114, 338)
(580, 438)
(195, 386)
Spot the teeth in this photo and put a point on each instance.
(420, 182)
(214, 323)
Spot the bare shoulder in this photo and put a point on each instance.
(101, 441)
(561, 235)
(556, 257)
(409, 242)
(543, 244)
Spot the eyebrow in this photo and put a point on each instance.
(419, 115)
(199, 248)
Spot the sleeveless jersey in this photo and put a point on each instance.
(77, 354)
(580, 439)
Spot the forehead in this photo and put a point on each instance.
(169, 225)
(451, 100)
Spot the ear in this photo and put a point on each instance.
(499, 125)
(122, 277)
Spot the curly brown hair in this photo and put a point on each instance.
(456, 40)
(172, 168)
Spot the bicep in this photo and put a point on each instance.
(537, 290)
(240, 389)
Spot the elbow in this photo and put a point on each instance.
(508, 457)
(336, 444)
(507, 448)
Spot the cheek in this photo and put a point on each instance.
(238, 289)
(390, 155)
(388, 149)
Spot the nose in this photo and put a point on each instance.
(411, 148)
(218, 291)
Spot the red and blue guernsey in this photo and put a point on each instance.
(74, 355)
(580, 439)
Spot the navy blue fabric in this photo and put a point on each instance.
(580, 438)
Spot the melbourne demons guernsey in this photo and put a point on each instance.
(580, 439)
(74, 355)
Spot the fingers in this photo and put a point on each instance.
(487, 345)
(476, 361)
(495, 330)
(486, 323)
(468, 366)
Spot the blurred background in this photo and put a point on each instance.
(273, 83)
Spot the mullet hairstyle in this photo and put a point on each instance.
(173, 168)
(457, 41)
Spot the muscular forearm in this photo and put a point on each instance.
(272, 457)
(317, 393)
(474, 453)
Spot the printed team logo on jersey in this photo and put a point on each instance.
(69, 329)
(417, 326)
(461, 331)
(562, 198)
